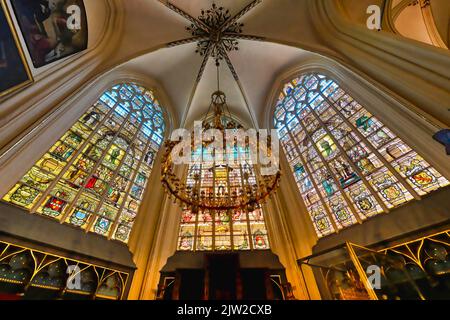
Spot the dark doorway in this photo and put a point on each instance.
(223, 271)
(254, 284)
(191, 285)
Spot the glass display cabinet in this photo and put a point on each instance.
(414, 270)
(29, 274)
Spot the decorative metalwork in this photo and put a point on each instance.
(25, 271)
(215, 18)
(216, 32)
(415, 270)
(226, 230)
(253, 192)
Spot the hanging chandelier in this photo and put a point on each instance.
(253, 189)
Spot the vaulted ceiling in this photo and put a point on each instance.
(189, 79)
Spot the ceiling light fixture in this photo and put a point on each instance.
(253, 188)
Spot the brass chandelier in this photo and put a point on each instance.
(254, 188)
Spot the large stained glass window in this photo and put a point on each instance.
(221, 230)
(347, 164)
(94, 176)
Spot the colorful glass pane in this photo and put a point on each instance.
(348, 166)
(85, 178)
(221, 230)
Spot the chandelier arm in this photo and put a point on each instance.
(228, 61)
(229, 113)
(239, 15)
(218, 76)
(218, 35)
(187, 16)
(207, 113)
(185, 198)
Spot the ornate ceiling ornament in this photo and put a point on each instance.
(216, 33)
(256, 188)
(215, 18)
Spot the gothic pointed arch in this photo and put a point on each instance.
(94, 176)
(347, 164)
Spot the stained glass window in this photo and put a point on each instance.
(347, 164)
(94, 176)
(222, 230)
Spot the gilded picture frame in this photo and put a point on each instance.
(52, 29)
(15, 72)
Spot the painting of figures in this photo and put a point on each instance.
(14, 71)
(52, 29)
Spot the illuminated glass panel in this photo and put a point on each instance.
(222, 230)
(94, 176)
(347, 164)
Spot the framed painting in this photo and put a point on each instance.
(443, 136)
(14, 70)
(52, 29)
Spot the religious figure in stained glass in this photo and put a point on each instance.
(92, 177)
(347, 164)
(186, 241)
(221, 230)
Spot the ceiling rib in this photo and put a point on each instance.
(242, 13)
(215, 46)
(241, 88)
(197, 81)
(204, 62)
(186, 15)
(238, 36)
(186, 41)
(229, 63)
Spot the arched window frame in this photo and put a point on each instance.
(255, 222)
(135, 170)
(312, 68)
